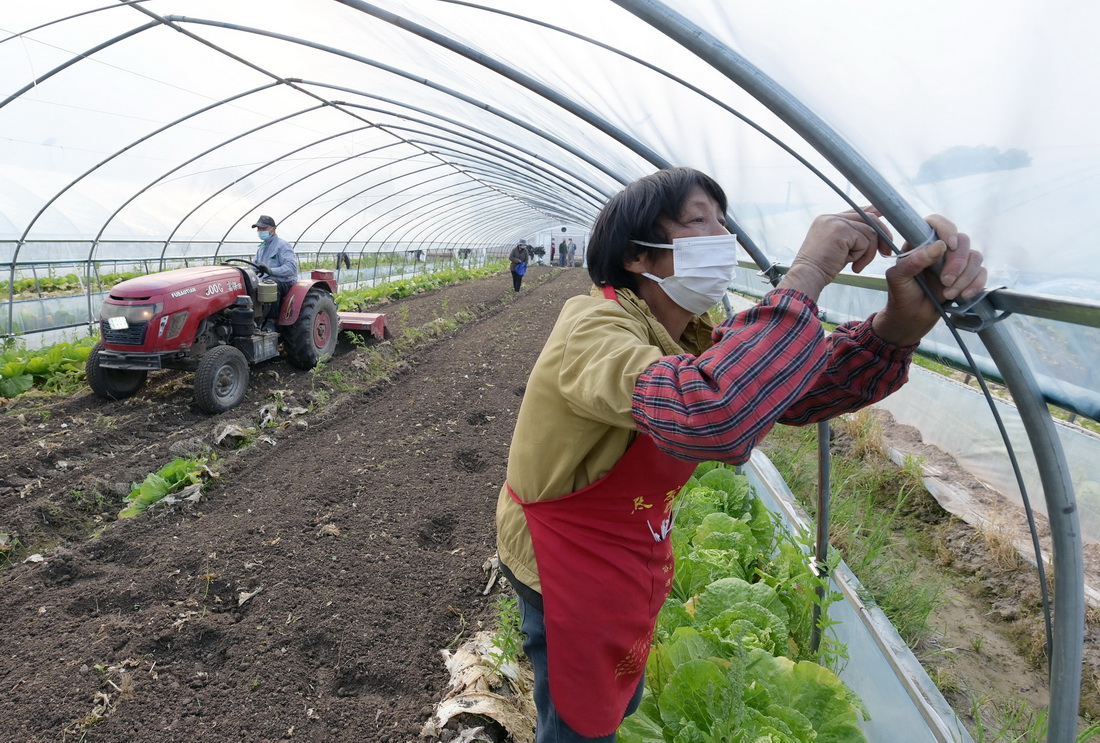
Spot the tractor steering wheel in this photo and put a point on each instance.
(242, 260)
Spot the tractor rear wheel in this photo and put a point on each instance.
(312, 338)
(221, 379)
(112, 384)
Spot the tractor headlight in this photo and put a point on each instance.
(122, 316)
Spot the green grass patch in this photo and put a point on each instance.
(875, 517)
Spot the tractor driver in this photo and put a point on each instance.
(277, 261)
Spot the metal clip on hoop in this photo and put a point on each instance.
(965, 318)
(771, 275)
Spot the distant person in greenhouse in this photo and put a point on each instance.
(277, 261)
(518, 259)
(343, 259)
(635, 386)
(563, 252)
(572, 253)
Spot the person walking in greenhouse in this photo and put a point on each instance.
(572, 260)
(276, 260)
(642, 387)
(563, 250)
(518, 259)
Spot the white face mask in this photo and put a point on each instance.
(702, 269)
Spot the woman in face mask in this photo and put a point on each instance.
(635, 386)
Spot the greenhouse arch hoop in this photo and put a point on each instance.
(1069, 618)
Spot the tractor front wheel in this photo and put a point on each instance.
(312, 338)
(112, 384)
(221, 379)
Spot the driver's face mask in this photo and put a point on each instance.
(263, 235)
(702, 268)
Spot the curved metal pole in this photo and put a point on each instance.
(353, 215)
(322, 194)
(532, 156)
(520, 180)
(502, 157)
(406, 214)
(750, 247)
(419, 79)
(397, 222)
(413, 233)
(459, 228)
(133, 144)
(56, 21)
(80, 57)
(584, 114)
(439, 213)
(511, 73)
(1067, 651)
(458, 225)
(455, 234)
(63, 66)
(466, 200)
(539, 202)
(534, 197)
(285, 155)
(500, 246)
(187, 162)
(408, 206)
(493, 215)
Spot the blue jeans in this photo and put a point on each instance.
(550, 728)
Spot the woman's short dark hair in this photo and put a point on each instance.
(633, 214)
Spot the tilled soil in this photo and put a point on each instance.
(309, 592)
(307, 595)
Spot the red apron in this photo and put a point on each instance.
(605, 563)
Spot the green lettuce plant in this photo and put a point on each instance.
(731, 660)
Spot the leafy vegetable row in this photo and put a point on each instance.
(732, 660)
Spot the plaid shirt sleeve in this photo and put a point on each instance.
(769, 364)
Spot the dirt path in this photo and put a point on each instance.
(309, 592)
(358, 530)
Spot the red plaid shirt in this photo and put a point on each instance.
(769, 364)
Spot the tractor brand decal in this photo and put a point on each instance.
(235, 285)
(214, 289)
(181, 292)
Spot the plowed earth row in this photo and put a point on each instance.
(357, 522)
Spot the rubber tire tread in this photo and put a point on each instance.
(206, 375)
(298, 338)
(111, 384)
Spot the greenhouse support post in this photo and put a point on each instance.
(821, 540)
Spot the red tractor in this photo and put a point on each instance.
(209, 320)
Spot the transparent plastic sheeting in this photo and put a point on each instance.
(357, 124)
(957, 419)
(336, 119)
(903, 703)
